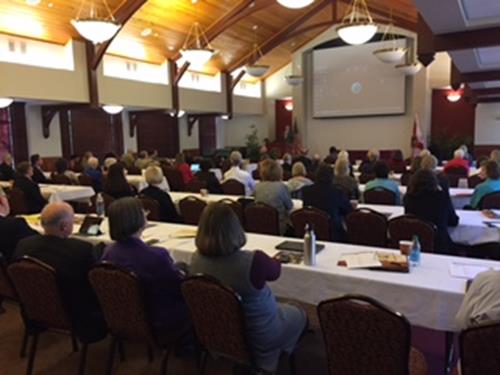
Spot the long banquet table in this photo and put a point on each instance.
(54, 193)
(428, 296)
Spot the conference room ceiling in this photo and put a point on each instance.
(170, 21)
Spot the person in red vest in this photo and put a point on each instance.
(457, 161)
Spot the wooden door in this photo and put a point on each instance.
(156, 131)
(207, 135)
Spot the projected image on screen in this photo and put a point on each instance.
(350, 81)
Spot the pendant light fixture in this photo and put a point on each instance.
(197, 49)
(294, 80)
(357, 26)
(253, 69)
(112, 109)
(392, 54)
(295, 4)
(411, 67)
(5, 102)
(95, 27)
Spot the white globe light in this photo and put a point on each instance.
(257, 71)
(96, 30)
(409, 69)
(390, 55)
(5, 102)
(357, 33)
(112, 109)
(454, 96)
(197, 56)
(294, 80)
(295, 4)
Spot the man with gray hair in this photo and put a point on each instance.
(71, 259)
(457, 162)
(236, 173)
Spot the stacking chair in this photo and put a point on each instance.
(191, 209)
(233, 187)
(174, 178)
(380, 196)
(479, 349)
(319, 220)
(262, 218)
(196, 185)
(473, 181)
(236, 207)
(363, 336)
(490, 201)
(406, 226)
(405, 178)
(134, 171)
(218, 321)
(85, 180)
(152, 206)
(60, 179)
(17, 202)
(454, 174)
(42, 307)
(366, 227)
(120, 296)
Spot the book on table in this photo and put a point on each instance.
(376, 260)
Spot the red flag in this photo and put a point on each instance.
(417, 139)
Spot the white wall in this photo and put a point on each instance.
(187, 142)
(487, 130)
(236, 129)
(129, 143)
(37, 144)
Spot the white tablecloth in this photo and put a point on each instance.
(139, 182)
(428, 296)
(55, 193)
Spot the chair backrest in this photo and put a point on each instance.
(457, 171)
(233, 187)
(262, 218)
(366, 177)
(479, 349)
(236, 207)
(473, 181)
(108, 199)
(364, 337)
(152, 206)
(256, 174)
(245, 201)
(36, 286)
(191, 209)
(85, 180)
(174, 178)
(366, 227)
(60, 179)
(195, 185)
(135, 171)
(122, 303)
(320, 221)
(405, 178)
(6, 287)
(406, 226)
(17, 202)
(379, 196)
(217, 317)
(490, 201)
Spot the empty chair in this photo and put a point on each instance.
(174, 178)
(233, 187)
(236, 207)
(314, 217)
(473, 181)
(85, 180)
(379, 196)
(455, 174)
(121, 298)
(490, 201)
(479, 349)
(152, 207)
(366, 227)
(36, 285)
(406, 226)
(17, 202)
(262, 218)
(60, 179)
(218, 321)
(195, 185)
(191, 209)
(364, 337)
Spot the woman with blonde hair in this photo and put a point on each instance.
(271, 328)
(298, 180)
(343, 180)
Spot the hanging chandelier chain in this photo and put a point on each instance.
(358, 12)
(93, 12)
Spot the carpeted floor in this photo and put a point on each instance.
(55, 356)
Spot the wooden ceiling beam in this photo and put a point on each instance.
(489, 100)
(281, 36)
(124, 13)
(485, 92)
(483, 76)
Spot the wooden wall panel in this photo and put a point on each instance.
(283, 119)
(156, 131)
(19, 133)
(207, 135)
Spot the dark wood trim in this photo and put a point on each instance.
(17, 112)
(191, 121)
(489, 100)
(64, 125)
(483, 76)
(175, 75)
(48, 114)
(92, 76)
(425, 43)
(484, 92)
(230, 84)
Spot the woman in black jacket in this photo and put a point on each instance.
(116, 184)
(427, 200)
(205, 175)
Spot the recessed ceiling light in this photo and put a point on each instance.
(51, 5)
(33, 2)
(146, 32)
(171, 48)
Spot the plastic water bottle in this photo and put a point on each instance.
(415, 253)
(309, 246)
(99, 205)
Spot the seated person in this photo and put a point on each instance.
(368, 165)
(159, 276)
(37, 163)
(272, 328)
(382, 181)
(183, 167)
(7, 173)
(332, 155)
(12, 229)
(325, 196)
(287, 163)
(273, 192)
(491, 185)
(344, 181)
(108, 162)
(397, 163)
(23, 181)
(458, 161)
(429, 162)
(154, 178)
(75, 164)
(94, 172)
(128, 159)
(62, 169)
(298, 180)
(205, 175)
(143, 160)
(72, 259)
(427, 200)
(467, 155)
(236, 173)
(116, 184)
(495, 155)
